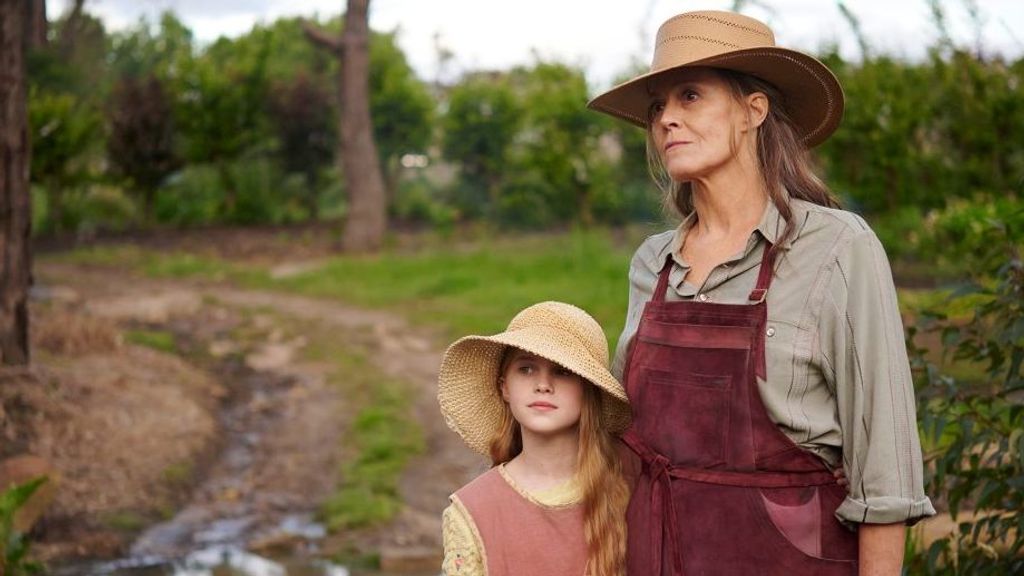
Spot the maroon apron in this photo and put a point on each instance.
(722, 489)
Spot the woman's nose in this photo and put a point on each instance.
(669, 117)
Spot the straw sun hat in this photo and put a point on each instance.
(812, 96)
(562, 333)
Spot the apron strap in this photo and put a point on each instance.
(662, 286)
(765, 274)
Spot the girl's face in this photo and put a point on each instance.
(545, 398)
(698, 125)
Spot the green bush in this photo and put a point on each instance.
(190, 197)
(973, 425)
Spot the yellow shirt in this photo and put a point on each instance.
(464, 553)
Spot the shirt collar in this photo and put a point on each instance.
(771, 227)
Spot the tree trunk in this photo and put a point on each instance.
(15, 212)
(37, 24)
(366, 220)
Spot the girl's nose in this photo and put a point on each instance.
(544, 383)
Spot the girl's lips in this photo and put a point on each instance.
(542, 405)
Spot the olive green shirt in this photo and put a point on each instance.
(839, 380)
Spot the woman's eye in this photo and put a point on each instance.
(655, 109)
(689, 95)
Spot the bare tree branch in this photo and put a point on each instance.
(322, 39)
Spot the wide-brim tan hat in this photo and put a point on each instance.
(562, 333)
(813, 96)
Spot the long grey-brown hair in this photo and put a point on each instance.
(784, 162)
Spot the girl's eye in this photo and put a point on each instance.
(563, 372)
(526, 369)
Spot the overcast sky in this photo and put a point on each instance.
(601, 35)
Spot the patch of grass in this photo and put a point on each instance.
(155, 339)
(125, 521)
(127, 255)
(156, 264)
(181, 265)
(383, 437)
(179, 474)
(477, 288)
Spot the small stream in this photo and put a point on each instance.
(227, 515)
(212, 561)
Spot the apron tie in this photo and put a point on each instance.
(660, 478)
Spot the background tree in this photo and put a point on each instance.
(562, 147)
(483, 119)
(401, 108)
(221, 114)
(15, 208)
(38, 24)
(166, 51)
(141, 141)
(366, 215)
(304, 121)
(65, 133)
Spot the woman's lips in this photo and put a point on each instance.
(674, 144)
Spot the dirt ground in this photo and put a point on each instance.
(151, 447)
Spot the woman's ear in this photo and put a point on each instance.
(757, 108)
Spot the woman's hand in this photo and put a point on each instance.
(840, 475)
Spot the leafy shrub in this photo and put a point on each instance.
(973, 427)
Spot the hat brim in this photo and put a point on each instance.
(467, 382)
(813, 96)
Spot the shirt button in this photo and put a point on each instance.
(770, 332)
(703, 297)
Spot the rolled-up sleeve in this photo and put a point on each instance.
(865, 362)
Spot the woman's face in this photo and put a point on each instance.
(698, 125)
(545, 398)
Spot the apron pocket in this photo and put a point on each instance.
(685, 417)
(795, 532)
(799, 523)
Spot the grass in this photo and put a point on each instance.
(125, 521)
(156, 264)
(179, 474)
(382, 438)
(472, 288)
(382, 435)
(155, 339)
(477, 289)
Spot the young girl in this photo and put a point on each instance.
(540, 401)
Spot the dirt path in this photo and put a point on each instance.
(282, 424)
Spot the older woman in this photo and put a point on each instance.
(763, 344)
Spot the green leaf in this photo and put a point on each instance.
(16, 496)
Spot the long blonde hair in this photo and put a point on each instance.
(598, 470)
